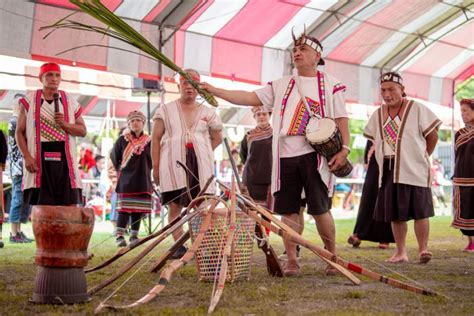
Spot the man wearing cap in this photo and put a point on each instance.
(46, 135)
(296, 166)
(184, 131)
(131, 159)
(404, 133)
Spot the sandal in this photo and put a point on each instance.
(291, 270)
(330, 270)
(425, 257)
(354, 241)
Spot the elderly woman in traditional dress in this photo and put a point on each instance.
(366, 228)
(132, 160)
(256, 154)
(463, 180)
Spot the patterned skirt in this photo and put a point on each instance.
(463, 204)
(130, 202)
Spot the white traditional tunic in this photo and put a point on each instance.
(325, 96)
(40, 127)
(411, 161)
(173, 145)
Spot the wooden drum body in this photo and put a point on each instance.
(62, 235)
(326, 139)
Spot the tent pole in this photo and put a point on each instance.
(160, 68)
(452, 126)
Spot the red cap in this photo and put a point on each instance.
(47, 67)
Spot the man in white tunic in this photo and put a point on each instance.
(295, 165)
(404, 133)
(184, 131)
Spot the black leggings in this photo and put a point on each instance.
(134, 217)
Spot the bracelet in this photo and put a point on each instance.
(347, 147)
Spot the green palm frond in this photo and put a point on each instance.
(119, 29)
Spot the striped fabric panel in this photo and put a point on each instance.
(465, 136)
(458, 221)
(50, 131)
(390, 132)
(301, 117)
(134, 203)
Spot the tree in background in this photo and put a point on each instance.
(465, 90)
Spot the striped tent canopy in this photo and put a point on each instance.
(431, 42)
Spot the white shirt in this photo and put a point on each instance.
(294, 145)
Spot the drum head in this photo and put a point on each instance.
(319, 130)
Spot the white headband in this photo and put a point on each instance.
(392, 77)
(313, 45)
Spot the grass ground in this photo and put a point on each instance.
(451, 272)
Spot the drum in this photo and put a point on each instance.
(326, 139)
(324, 136)
(345, 170)
(62, 235)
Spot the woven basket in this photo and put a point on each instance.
(209, 254)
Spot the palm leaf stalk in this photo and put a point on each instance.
(117, 28)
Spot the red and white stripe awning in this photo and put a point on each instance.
(430, 42)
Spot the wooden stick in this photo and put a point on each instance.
(125, 250)
(166, 274)
(349, 265)
(216, 296)
(167, 255)
(294, 236)
(273, 264)
(147, 250)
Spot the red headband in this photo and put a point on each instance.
(193, 75)
(49, 67)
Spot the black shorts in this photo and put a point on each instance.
(297, 173)
(180, 196)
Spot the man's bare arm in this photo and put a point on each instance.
(20, 135)
(216, 138)
(156, 136)
(239, 97)
(340, 158)
(343, 125)
(431, 141)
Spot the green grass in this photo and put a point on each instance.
(451, 272)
